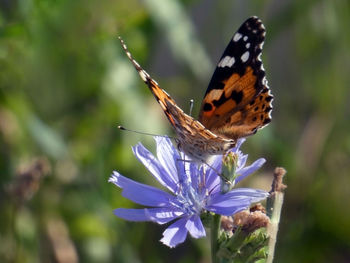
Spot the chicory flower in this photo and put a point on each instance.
(193, 189)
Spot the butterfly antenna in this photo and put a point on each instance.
(191, 106)
(143, 133)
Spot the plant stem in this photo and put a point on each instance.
(274, 207)
(273, 227)
(214, 235)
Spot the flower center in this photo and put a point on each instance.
(191, 200)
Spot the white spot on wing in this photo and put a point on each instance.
(237, 37)
(143, 75)
(245, 38)
(226, 62)
(247, 45)
(245, 56)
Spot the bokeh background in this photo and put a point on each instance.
(65, 85)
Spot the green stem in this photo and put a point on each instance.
(273, 227)
(214, 234)
(274, 207)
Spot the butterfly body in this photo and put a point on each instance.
(193, 138)
(236, 104)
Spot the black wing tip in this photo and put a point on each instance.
(254, 22)
(253, 18)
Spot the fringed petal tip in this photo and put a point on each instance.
(114, 178)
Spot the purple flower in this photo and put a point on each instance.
(193, 189)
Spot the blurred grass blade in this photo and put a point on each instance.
(179, 31)
(46, 137)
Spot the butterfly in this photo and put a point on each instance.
(236, 104)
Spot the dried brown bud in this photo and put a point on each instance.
(258, 207)
(277, 184)
(227, 223)
(251, 221)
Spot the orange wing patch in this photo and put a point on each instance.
(255, 115)
(219, 105)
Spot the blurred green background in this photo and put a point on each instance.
(65, 85)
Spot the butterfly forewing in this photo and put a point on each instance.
(238, 79)
(161, 96)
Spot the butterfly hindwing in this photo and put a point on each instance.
(238, 79)
(246, 121)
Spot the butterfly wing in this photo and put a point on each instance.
(161, 96)
(231, 106)
(192, 137)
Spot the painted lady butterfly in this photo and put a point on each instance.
(236, 104)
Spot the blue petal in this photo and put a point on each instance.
(158, 215)
(243, 173)
(238, 144)
(163, 215)
(175, 233)
(195, 227)
(223, 206)
(228, 211)
(155, 167)
(193, 173)
(141, 193)
(212, 179)
(254, 194)
(169, 158)
(242, 159)
(235, 200)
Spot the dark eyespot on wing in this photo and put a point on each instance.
(252, 102)
(207, 107)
